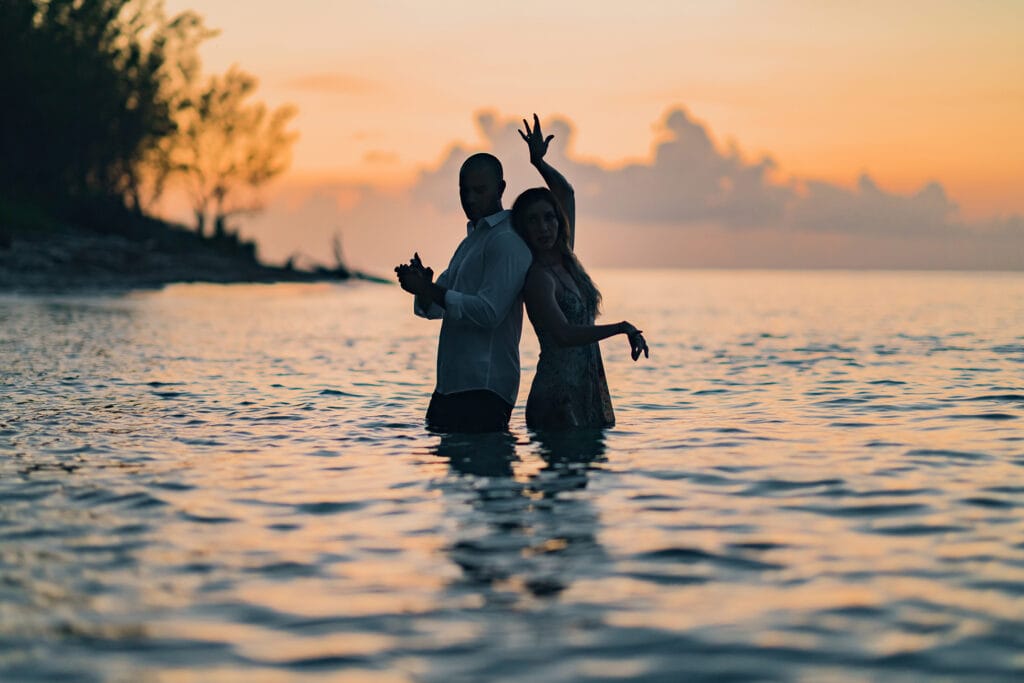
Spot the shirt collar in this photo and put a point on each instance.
(488, 221)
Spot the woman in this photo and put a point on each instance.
(569, 389)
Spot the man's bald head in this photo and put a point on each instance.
(486, 162)
(481, 184)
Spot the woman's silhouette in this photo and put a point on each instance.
(569, 389)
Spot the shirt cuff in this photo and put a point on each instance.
(431, 312)
(453, 304)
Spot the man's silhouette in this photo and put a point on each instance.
(479, 299)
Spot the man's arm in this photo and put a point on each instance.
(506, 260)
(430, 294)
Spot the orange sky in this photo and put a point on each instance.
(923, 91)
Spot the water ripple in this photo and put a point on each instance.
(234, 483)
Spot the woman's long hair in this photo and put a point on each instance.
(591, 295)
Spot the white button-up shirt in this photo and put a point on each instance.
(483, 312)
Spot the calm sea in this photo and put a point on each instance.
(817, 476)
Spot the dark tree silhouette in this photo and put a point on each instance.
(105, 106)
(81, 84)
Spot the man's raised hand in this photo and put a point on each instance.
(425, 271)
(412, 279)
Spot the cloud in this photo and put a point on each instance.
(691, 180)
(868, 209)
(695, 202)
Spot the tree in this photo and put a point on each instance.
(179, 39)
(227, 148)
(105, 105)
(81, 82)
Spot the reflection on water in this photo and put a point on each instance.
(524, 535)
(484, 455)
(816, 477)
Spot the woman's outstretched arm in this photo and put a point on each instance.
(555, 181)
(541, 306)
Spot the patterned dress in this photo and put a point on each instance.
(569, 389)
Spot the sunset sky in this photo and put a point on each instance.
(911, 94)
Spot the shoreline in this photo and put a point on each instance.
(74, 261)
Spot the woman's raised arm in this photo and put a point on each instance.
(555, 181)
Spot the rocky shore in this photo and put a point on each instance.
(82, 261)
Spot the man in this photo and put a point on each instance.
(479, 298)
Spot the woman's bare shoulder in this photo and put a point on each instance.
(539, 278)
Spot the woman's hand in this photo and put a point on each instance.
(637, 343)
(535, 140)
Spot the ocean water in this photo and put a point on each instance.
(817, 476)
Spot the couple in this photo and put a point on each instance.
(508, 258)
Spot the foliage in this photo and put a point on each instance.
(227, 148)
(179, 39)
(105, 103)
(81, 91)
